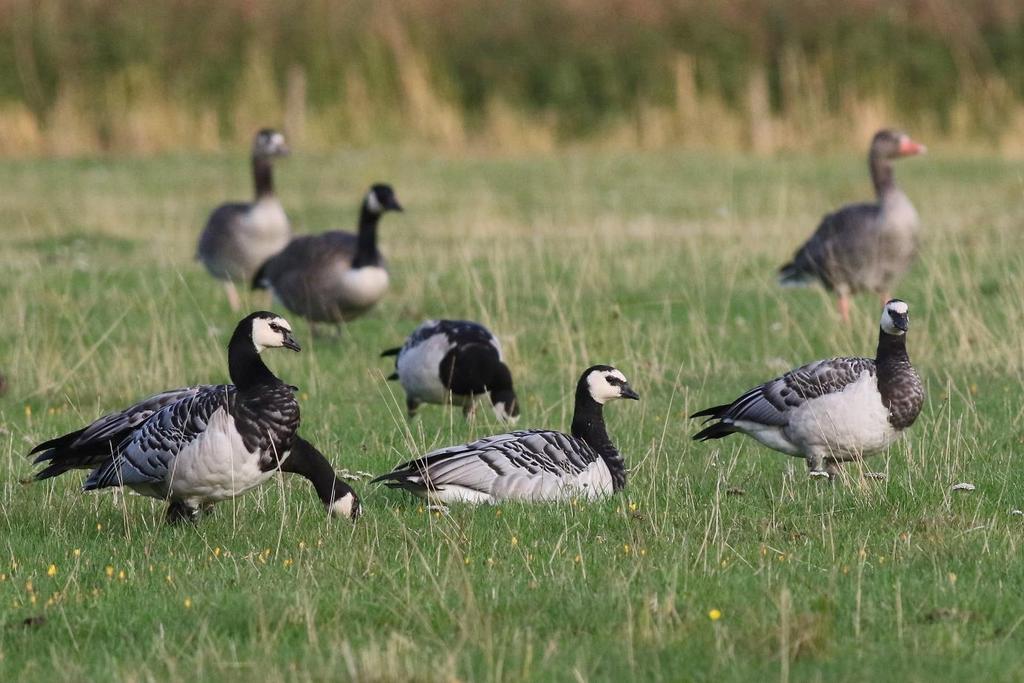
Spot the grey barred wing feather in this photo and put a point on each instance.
(147, 454)
(532, 465)
(95, 444)
(769, 403)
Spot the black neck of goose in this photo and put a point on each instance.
(263, 176)
(307, 462)
(588, 425)
(881, 174)
(366, 247)
(245, 366)
(898, 382)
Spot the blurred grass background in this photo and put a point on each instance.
(761, 75)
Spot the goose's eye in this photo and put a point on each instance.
(275, 327)
(614, 381)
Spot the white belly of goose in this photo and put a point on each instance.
(216, 465)
(847, 424)
(419, 369)
(364, 286)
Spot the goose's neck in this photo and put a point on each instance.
(588, 425)
(881, 175)
(307, 462)
(263, 176)
(366, 246)
(246, 367)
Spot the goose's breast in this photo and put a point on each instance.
(216, 465)
(419, 369)
(852, 421)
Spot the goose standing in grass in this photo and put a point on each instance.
(863, 247)
(533, 465)
(199, 445)
(240, 237)
(831, 411)
(454, 361)
(336, 276)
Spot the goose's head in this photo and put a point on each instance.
(269, 143)
(893, 144)
(604, 383)
(503, 395)
(270, 331)
(895, 317)
(346, 506)
(381, 198)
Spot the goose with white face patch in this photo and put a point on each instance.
(533, 465)
(832, 411)
(336, 276)
(453, 362)
(199, 445)
(863, 247)
(240, 237)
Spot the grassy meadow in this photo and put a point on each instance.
(720, 561)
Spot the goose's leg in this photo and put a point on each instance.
(411, 405)
(844, 307)
(179, 512)
(234, 300)
(816, 466)
(469, 408)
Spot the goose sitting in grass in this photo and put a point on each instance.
(199, 445)
(831, 411)
(240, 237)
(454, 361)
(336, 276)
(863, 247)
(534, 465)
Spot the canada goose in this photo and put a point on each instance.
(240, 237)
(336, 276)
(534, 465)
(863, 247)
(831, 411)
(446, 361)
(199, 445)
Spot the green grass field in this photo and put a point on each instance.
(661, 264)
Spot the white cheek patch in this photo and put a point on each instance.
(265, 338)
(277, 140)
(343, 506)
(600, 389)
(887, 322)
(372, 203)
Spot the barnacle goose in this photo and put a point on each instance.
(831, 411)
(199, 445)
(533, 465)
(240, 237)
(335, 276)
(863, 247)
(454, 361)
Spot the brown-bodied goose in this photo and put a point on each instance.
(336, 276)
(534, 465)
(863, 247)
(831, 411)
(239, 237)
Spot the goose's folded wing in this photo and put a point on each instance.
(519, 463)
(147, 454)
(769, 403)
(110, 426)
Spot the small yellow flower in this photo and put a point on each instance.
(515, 541)
(633, 507)
(28, 410)
(77, 552)
(288, 562)
(28, 586)
(497, 513)
(626, 548)
(302, 545)
(465, 560)
(121, 575)
(51, 570)
(577, 559)
(715, 615)
(99, 527)
(109, 570)
(3, 577)
(952, 579)
(216, 551)
(188, 603)
(169, 579)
